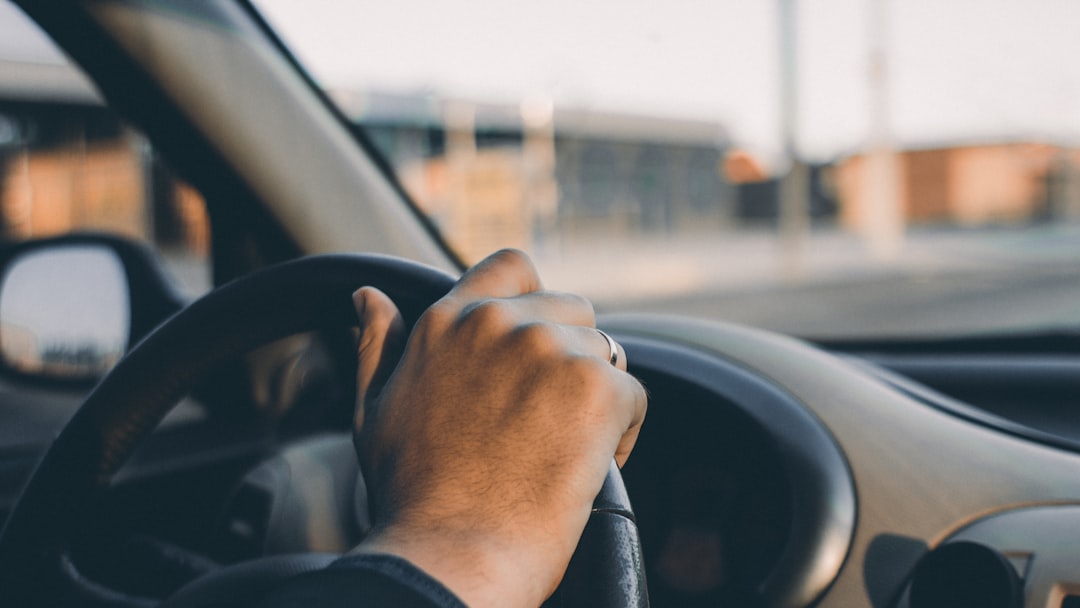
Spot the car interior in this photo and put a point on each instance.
(198, 430)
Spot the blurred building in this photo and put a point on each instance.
(67, 163)
(972, 184)
(501, 175)
(757, 201)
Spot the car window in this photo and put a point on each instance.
(828, 168)
(69, 164)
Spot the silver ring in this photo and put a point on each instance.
(613, 357)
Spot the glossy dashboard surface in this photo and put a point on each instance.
(920, 474)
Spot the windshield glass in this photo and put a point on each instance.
(827, 168)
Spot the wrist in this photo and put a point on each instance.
(482, 569)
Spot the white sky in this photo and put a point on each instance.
(960, 69)
(85, 300)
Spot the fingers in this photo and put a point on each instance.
(636, 400)
(551, 306)
(510, 275)
(593, 342)
(381, 343)
(503, 274)
(632, 400)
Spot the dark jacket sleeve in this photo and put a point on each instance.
(363, 581)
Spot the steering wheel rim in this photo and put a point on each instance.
(302, 295)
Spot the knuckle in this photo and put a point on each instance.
(591, 375)
(578, 302)
(510, 255)
(538, 337)
(515, 258)
(439, 315)
(491, 313)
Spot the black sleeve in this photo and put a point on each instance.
(364, 581)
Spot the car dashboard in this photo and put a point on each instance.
(901, 472)
(770, 472)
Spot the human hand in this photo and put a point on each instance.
(484, 447)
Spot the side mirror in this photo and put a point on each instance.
(65, 311)
(70, 307)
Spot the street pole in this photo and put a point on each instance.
(794, 211)
(883, 217)
(541, 185)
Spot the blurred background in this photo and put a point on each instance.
(828, 168)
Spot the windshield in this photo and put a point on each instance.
(826, 168)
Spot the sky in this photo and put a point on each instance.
(85, 300)
(958, 70)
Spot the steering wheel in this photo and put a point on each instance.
(302, 295)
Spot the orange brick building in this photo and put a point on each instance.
(970, 185)
(66, 163)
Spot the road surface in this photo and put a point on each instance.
(943, 283)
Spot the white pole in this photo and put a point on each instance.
(883, 218)
(794, 212)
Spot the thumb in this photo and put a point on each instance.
(382, 340)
